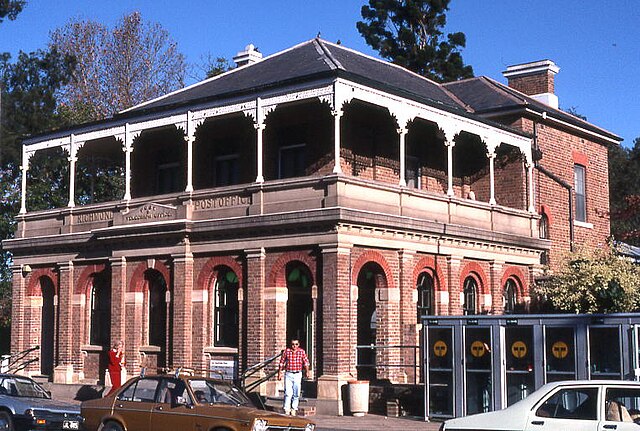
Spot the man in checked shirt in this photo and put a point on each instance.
(293, 361)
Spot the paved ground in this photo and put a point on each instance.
(372, 423)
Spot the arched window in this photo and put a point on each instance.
(509, 296)
(100, 332)
(425, 295)
(226, 317)
(470, 296)
(543, 226)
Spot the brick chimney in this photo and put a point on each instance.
(250, 55)
(535, 80)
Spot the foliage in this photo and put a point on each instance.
(10, 9)
(409, 33)
(116, 69)
(217, 66)
(593, 282)
(624, 192)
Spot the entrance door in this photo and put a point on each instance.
(300, 306)
(47, 328)
(367, 320)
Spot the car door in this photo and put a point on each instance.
(621, 408)
(133, 405)
(173, 407)
(567, 409)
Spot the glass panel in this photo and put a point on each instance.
(227, 170)
(622, 405)
(604, 352)
(441, 394)
(573, 403)
(470, 290)
(478, 370)
(292, 161)
(519, 361)
(560, 353)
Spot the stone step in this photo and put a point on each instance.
(73, 392)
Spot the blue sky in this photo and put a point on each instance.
(596, 44)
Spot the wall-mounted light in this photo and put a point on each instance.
(26, 270)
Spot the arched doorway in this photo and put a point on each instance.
(47, 326)
(300, 306)
(159, 325)
(370, 278)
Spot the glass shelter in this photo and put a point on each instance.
(476, 364)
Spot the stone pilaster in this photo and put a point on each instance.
(495, 271)
(454, 283)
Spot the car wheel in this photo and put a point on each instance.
(6, 421)
(112, 426)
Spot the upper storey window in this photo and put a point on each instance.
(169, 178)
(292, 161)
(227, 170)
(580, 193)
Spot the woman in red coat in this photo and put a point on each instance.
(116, 362)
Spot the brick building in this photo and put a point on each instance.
(316, 193)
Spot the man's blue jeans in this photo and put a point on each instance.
(292, 382)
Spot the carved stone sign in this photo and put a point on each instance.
(220, 202)
(150, 212)
(94, 217)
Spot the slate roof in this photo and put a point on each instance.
(305, 62)
(486, 96)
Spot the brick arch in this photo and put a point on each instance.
(277, 273)
(429, 263)
(516, 273)
(208, 272)
(137, 280)
(544, 209)
(84, 280)
(372, 256)
(474, 269)
(33, 288)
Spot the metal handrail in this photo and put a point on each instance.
(256, 369)
(415, 365)
(16, 362)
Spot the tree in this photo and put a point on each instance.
(116, 69)
(409, 33)
(624, 192)
(10, 9)
(595, 282)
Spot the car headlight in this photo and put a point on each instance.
(310, 427)
(259, 425)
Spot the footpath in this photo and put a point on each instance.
(371, 422)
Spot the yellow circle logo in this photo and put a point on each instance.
(560, 349)
(440, 348)
(478, 349)
(519, 349)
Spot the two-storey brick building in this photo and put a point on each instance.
(317, 193)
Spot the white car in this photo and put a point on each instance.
(581, 405)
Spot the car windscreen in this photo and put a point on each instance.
(215, 392)
(21, 387)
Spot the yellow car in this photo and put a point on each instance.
(183, 403)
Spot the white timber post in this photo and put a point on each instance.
(128, 149)
(259, 126)
(402, 132)
(25, 169)
(337, 115)
(449, 136)
(73, 158)
(191, 137)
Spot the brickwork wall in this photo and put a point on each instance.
(534, 84)
(558, 148)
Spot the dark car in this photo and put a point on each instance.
(25, 405)
(184, 403)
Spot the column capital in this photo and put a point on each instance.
(337, 113)
(402, 131)
(260, 126)
(256, 253)
(336, 248)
